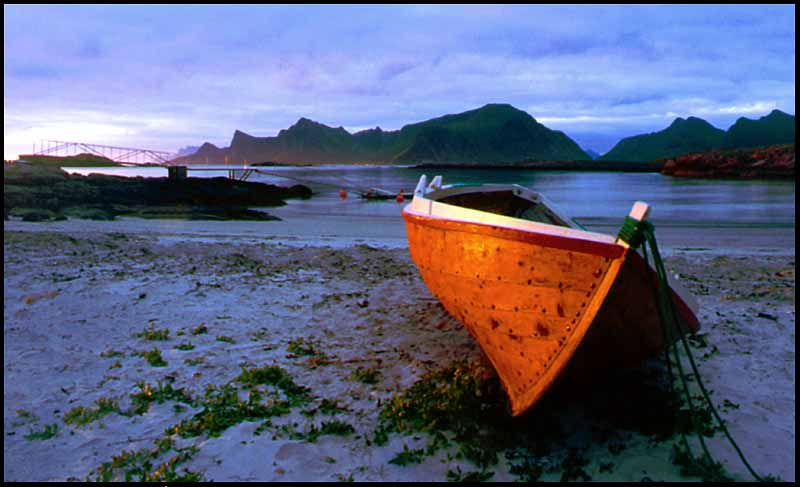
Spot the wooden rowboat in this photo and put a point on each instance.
(535, 290)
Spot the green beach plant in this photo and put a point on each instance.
(162, 392)
(153, 357)
(367, 375)
(226, 339)
(49, 431)
(153, 334)
(200, 329)
(81, 416)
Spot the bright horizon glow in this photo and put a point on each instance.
(167, 77)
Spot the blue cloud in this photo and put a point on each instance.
(34, 71)
(90, 48)
(394, 69)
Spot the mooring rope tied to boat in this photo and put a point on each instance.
(642, 233)
(347, 185)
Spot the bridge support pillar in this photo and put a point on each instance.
(177, 172)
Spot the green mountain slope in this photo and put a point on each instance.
(492, 134)
(681, 137)
(775, 128)
(696, 135)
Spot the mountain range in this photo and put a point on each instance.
(493, 134)
(696, 135)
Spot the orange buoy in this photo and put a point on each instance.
(343, 194)
(400, 198)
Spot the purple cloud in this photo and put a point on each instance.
(171, 76)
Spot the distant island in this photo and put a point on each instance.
(692, 135)
(493, 134)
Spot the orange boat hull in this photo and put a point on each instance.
(536, 303)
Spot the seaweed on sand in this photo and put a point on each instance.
(81, 415)
(463, 406)
(223, 408)
(139, 465)
(148, 394)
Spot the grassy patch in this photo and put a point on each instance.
(572, 467)
(708, 471)
(455, 399)
(147, 395)
(112, 353)
(312, 432)
(468, 477)
(153, 334)
(183, 347)
(227, 339)
(408, 456)
(222, 408)
(261, 334)
(201, 329)
(336, 427)
(81, 415)
(302, 347)
(49, 431)
(367, 375)
(141, 466)
(153, 357)
(275, 376)
(194, 361)
(330, 407)
(25, 417)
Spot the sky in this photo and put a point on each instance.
(167, 77)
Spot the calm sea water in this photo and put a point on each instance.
(589, 197)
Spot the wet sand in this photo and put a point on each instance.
(77, 294)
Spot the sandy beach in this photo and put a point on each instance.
(85, 301)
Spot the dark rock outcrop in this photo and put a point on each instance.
(774, 162)
(97, 196)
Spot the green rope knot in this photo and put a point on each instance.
(633, 231)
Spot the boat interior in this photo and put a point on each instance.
(506, 203)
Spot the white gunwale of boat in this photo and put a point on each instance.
(424, 204)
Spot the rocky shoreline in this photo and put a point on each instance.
(774, 162)
(42, 193)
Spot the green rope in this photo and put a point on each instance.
(668, 341)
(666, 316)
(576, 222)
(636, 234)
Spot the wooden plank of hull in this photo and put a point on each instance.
(629, 323)
(529, 300)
